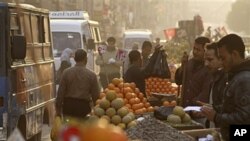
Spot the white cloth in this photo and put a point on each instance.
(66, 54)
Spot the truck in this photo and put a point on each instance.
(27, 88)
(74, 29)
(138, 36)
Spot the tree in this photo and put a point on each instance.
(238, 18)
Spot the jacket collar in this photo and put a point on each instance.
(244, 66)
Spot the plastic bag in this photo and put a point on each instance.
(162, 112)
(158, 65)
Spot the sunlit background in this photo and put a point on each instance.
(117, 15)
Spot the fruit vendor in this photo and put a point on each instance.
(194, 76)
(236, 97)
(135, 73)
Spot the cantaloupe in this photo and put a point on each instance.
(117, 103)
(186, 119)
(131, 124)
(99, 111)
(116, 119)
(174, 119)
(178, 110)
(111, 95)
(104, 104)
(123, 111)
(110, 112)
(127, 119)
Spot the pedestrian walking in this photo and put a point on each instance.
(78, 89)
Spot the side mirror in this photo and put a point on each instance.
(18, 47)
(91, 44)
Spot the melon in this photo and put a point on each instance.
(122, 125)
(117, 103)
(111, 95)
(99, 111)
(186, 119)
(123, 111)
(178, 110)
(106, 118)
(116, 119)
(127, 119)
(104, 104)
(110, 112)
(131, 124)
(174, 119)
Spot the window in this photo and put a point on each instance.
(27, 31)
(35, 28)
(46, 29)
(63, 40)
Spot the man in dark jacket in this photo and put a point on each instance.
(78, 89)
(134, 72)
(236, 100)
(219, 77)
(194, 76)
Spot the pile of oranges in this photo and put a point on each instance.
(134, 100)
(160, 85)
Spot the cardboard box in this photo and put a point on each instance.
(200, 133)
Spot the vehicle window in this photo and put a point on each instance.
(97, 34)
(128, 43)
(63, 40)
(46, 29)
(35, 28)
(27, 31)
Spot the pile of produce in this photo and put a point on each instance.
(160, 85)
(151, 129)
(179, 116)
(119, 102)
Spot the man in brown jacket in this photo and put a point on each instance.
(78, 89)
(194, 76)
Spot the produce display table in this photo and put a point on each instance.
(188, 126)
(201, 133)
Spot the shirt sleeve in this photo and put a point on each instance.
(95, 90)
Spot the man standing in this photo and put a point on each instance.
(236, 100)
(109, 65)
(78, 89)
(219, 77)
(135, 73)
(194, 76)
(146, 50)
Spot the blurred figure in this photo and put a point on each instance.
(63, 66)
(65, 63)
(109, 65)
(236, 101)
(78, 89)
(66, 55)
(146, 50)
(135, 46)
(127, 64)
(135, 73)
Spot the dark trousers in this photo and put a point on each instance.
(76, 107)
(106, 79)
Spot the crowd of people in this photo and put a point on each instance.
(217, 77)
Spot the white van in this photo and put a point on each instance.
(73, 29)
(138, 36)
